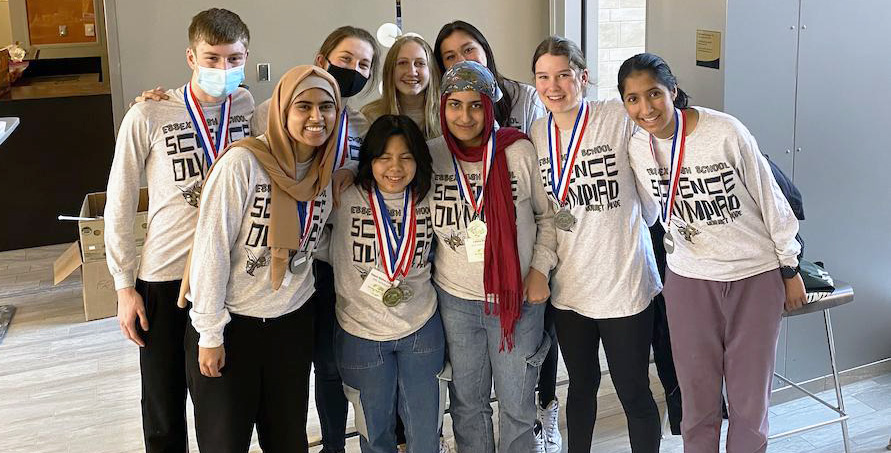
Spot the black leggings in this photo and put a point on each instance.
(627, 344)
(547, 378)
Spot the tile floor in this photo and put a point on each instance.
(73, 386)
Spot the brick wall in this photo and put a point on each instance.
(621, 34)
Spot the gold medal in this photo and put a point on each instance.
(393, 296)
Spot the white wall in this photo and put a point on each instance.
(152, 35)
(671, 34)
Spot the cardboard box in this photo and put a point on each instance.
(88, 254)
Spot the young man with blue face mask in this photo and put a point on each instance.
(172, 144)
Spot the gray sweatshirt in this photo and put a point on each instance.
(230, 257)
(527, 107)
(157, 141)
(605, 264)
(358, 127)
(353, 252)
(740, 224)
(536, 236)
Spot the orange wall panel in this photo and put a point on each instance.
(45, 17)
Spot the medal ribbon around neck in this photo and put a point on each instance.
(342, 151)
(304, 216)
(464, 184)
(396, 250)
(202, 131)
(561, 170)
(677, 159)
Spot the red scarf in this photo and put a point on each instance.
(501, 267)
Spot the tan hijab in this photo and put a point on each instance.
(279, 158)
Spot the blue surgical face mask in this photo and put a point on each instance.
(220, 82)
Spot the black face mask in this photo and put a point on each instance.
(349, 81)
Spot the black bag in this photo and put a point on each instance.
(817, 282)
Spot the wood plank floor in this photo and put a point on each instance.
(73, 386)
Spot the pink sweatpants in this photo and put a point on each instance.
(724, 331)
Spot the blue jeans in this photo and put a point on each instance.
(474, 340)
(383, 377)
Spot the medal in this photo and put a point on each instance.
(666, 200)
(407, 293)
(564, 220)
(475, 241)
(396, 250)
(202, 131)
(393, 296)
(477, 229)
(668, 242)
(560, 173)
(300, 257)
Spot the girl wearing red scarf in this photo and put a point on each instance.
(496, 241)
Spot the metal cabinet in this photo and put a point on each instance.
(810, 79)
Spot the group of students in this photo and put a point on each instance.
(440, 238)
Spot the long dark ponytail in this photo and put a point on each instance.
(658, 69)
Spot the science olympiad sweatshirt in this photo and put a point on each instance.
(730, 219)
(353, 252)
(230, 256)
(536, 239)
(157, 141)
(605, 264)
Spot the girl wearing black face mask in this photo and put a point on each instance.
(351, 56)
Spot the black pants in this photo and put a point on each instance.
(162, 365)
(265, 381)
(665, 365)
(547, 377)
(331, 403)
(662, 340)
(627, 345)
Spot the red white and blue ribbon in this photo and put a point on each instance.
(678, 142)
(304, 215)
(561, 169)
(396, 249)
(476, 200)
(210, 146)
(342, 151)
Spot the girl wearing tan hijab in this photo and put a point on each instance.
(249, 345)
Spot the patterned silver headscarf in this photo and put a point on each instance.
(470, 76)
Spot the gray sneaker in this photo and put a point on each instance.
(538, 436)
(547, 416)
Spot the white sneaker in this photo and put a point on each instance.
(444, 446)
(538, 436)
(548, 417)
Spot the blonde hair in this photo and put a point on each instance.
(388, 102)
